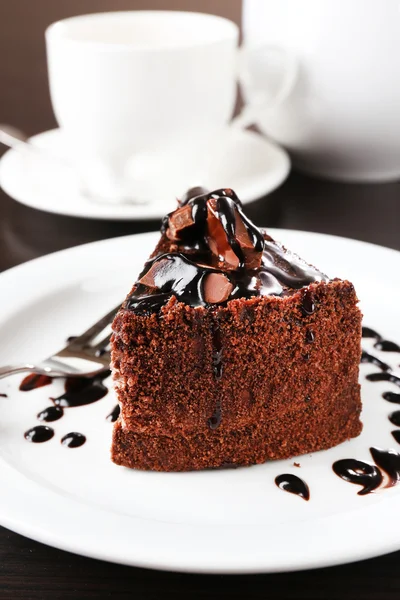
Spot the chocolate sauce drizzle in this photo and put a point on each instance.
(217, 365)
(39, 434)
(80, 391)
(367, 332)
(50, 414)
(114, 414)
(310, 336)
(215, 420)
(181, 273)
(83, 391)
(380, 344)
(391, 397)
(396, 435)
(388, 461)
(307, 304)
(34, 381)
(360, 473)
(3, 396)
(374, 360)
(384, 377)
(395, 418)
(227, 203)
(293, 484)
(73, 440)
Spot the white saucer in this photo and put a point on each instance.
(213, 521)
(252, 165)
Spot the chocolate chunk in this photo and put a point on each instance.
(179, 220)
(217, 239)
(219, 244)
(149, 278)
(252, 257)
(216, 288)
(192, 193)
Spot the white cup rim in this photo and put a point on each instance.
(58, 31)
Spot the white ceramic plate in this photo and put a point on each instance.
(251, 164)
(228, 521)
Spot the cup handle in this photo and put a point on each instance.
(283, 68)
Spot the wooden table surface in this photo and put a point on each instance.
(30, 570)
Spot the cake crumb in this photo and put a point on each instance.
(295, 464)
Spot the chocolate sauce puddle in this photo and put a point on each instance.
(80, 391)
(293, 484)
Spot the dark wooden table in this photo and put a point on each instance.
(30, 570)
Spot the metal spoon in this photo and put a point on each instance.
(15, 138)
(18, 140)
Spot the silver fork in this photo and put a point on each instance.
(83, 356)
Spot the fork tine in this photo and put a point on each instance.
(95, 329)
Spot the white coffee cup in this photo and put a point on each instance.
(342, 117)
(133, 89)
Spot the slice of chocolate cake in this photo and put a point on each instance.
(231, 350)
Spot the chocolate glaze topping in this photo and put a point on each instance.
(220, 255)
(293, 484)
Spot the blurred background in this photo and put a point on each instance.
(24, 97)
(338, 123)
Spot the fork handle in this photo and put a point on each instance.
(14, 369)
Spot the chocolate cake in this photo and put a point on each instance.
(231, 350)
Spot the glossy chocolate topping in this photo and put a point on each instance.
(218, 255)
